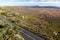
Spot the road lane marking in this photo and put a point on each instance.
(28, 35)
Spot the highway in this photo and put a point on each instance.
(27, 35)
(30, 36)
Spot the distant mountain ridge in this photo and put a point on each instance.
(43, 7)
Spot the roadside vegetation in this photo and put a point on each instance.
(8, 31)
(43, 24)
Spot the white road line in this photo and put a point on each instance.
(28, 35)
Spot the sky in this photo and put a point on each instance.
(30, 2)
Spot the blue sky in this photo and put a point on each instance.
(29, 2)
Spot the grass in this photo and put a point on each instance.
(41, 24)
(8, 32)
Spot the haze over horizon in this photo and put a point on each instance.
(30, 3)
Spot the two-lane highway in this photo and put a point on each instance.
(26, 34)
(30, 36)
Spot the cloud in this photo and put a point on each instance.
(30, 3)
(11, 0)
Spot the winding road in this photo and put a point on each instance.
(25, 33)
